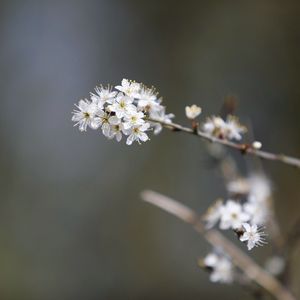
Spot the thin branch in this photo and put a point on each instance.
(250, 268)
(243, 148)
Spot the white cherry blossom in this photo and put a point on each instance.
(275, 265)
(161, 116)
(137, 133)
(213, 214)
(122, 106)
(133, 118)
(192, 112)
(258, 212)
(84, 115)
(221, 268)
(239, 186)
(101, 120)
(229, 129)
(129, 88)
(147, 101)
(252, 236)
(257, 145)
(234, 129)
(102, 96)
(214, 126)
(116, 128)
(260, 188)
(211, 260)
(232, 215)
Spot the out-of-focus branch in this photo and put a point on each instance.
(252, 270)
(243, 148)
(257, 292)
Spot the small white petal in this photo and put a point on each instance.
(143, 137)
(114, 120)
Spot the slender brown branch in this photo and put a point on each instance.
(250, 268)
(243, 148)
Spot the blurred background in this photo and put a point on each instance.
(72, 224)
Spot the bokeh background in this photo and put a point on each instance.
(72, 225)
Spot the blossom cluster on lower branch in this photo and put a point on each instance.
(246, 212)
(219, 265)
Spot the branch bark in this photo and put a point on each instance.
(250, 268)
(243, 148)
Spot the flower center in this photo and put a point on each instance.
(104, 119)
(234, 216)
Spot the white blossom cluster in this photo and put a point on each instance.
(231, 129)
(132, 109)
(246, 213)
(127, 110)
(256, 190)
(215, 126)
(220, 267)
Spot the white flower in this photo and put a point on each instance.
(133, 118)
(239, 186)
(257, 189)
(234, 129)
(137, 133)
(231, 129)
(260, 188)
(129, 88)
(116, 128)
(85, 114)
(211, 260)
(102, 120)
(193, 111)
(256, 186)
(275, 265)
(215, 126)
(157, 128)
(147, 94)
(257, 145)
(122, 106)
(103, 95)
(258, 212)
(148, 104)
(222, 269)
(232, 215)
(222, 272)
(253, 236)
(213, 214)
(161, 116)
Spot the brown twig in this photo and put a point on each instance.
(243, 148)
(250, 268)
